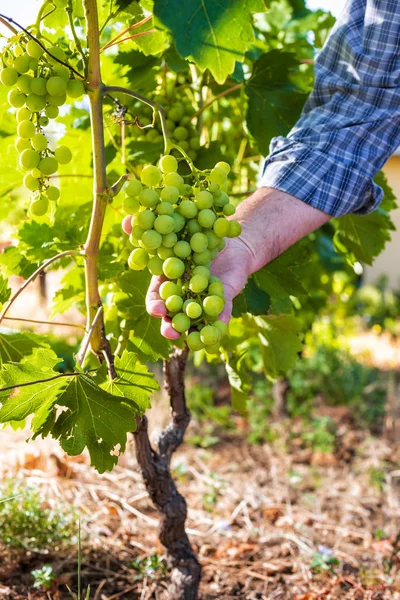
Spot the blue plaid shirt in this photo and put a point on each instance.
(350, 124)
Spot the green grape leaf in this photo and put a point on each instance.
(15, 263)
(147, 339)
(214, 34)
(134, 380)
(251, 300)
(144, 152)
(140, 70)
(279, 277)
(240, 382)
(389, 201)
(37, 399)
(280, 342)
(175, 61)
(364, 236)
(5, 291)
(275, 102)
(93, 419)
(14, 346)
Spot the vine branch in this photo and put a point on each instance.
(43, 322)
(234, 88)
(77, 41)
(142, 22)
(34, 275)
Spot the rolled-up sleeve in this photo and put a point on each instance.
(350, 124)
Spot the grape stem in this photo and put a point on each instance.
(158, 109)
(234, 88)
(43, 322)
(40, 16)
(35, 39)
(85, 345)
(77, 41)
(113, 41)
(8, 25)
(34, 275)
(135, 35)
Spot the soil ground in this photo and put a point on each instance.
(258, 517)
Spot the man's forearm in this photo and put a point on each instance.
(272, 221)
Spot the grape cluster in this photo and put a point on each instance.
(40, 85)
(179, 125)
(177, 230)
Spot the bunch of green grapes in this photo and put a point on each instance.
(39, 86)
(177, 230)
(179, 124)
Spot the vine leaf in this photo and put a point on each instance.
(134, 380)
(251, 300)
(14, 346)
(5, 291)
(275, 102)
(279, 277)
(280, 342)
(239, 380)
(214, 34)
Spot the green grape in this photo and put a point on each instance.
(151, 176)
(185, 189)
(75, 88)
(18, 50)
(165, 208)
(56, 86)
(198, 283)
(192, 154)
(193, 226)
(173, 268)
(164, 224)
(26, 129)
(53, 193)
(145, 219)
(222, 326)
(194, 341)
(221, 227)
(173, 179)
(201, 270)
(43, 121)
(213, 239)
(202, 258)
(193, 310)
(165, 253)
(151, 239)
(29, 159)
(174, 303)
(63, 72)
(63, 155)
(148, 197)
(168, 164)
(16, 99)
(179, 221)
(170, 193)
(176, 112)
(169, 240)
(222, 199)
(184, 144)
(213, 188)
(133, 188)
(218, 176)
(23, 114)
(181, 133)
(216, 289)
(169, 288)
(35, 103)
(210, 335)
(170, 126)
(58, 53)
(22, 144)
(36, 173)
(213, 305)
(33, 49)
(39, 206)
(181, 322)
(224, 166)
(212, 349)
(131, 205)
(229, 210)
(138, 259)
(8, 76)
(221, 246)
(194, 143)
(199, 242)
(48, 165)
(182, 249)
(24, 83)
(151, 134)
(56, 100)
(155, 265)
(52, 111)
(33, 64)
(213, 253)
(235, 229)
(137, 232)
(39, 142)
(187, 209)
(206, 218)
(204, 200)
(21, 64)
(31, 183)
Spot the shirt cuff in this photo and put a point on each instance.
(319, 180)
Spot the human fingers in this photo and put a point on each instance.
(154, 304)
(127, 225)
(167, 330)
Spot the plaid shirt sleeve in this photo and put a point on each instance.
(350, 124)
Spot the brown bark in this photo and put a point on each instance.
(392, 416)
(156, 472)
(279, 393)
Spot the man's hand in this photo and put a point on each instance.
(271, 222)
